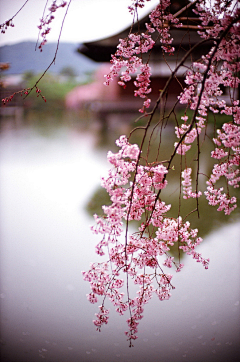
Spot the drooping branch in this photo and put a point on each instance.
(134, 184)
(56, 51)
(45, 21)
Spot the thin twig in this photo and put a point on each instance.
(55, 55)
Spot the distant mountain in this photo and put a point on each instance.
(23, 57)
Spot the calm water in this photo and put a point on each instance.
(46, 182)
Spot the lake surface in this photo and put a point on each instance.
(46, 182)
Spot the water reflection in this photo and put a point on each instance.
(46, 242)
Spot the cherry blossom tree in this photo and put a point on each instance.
(141, 255)
(134, 183)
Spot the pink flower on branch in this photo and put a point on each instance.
(187, 185)
(45, 21)
(136, 4)
(129, 51)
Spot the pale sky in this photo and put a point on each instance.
(86, 20)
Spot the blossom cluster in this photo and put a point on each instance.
(6, 25)
(187, 185)
(136, 4)
(205, 82)
(215, 17)
(129, 51)
(127, 57)
(47, 20)
(188, 135)
(161, 20)
(140, 256)
(23, 92)
(228, 155)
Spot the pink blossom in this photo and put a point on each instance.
(187, 185)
